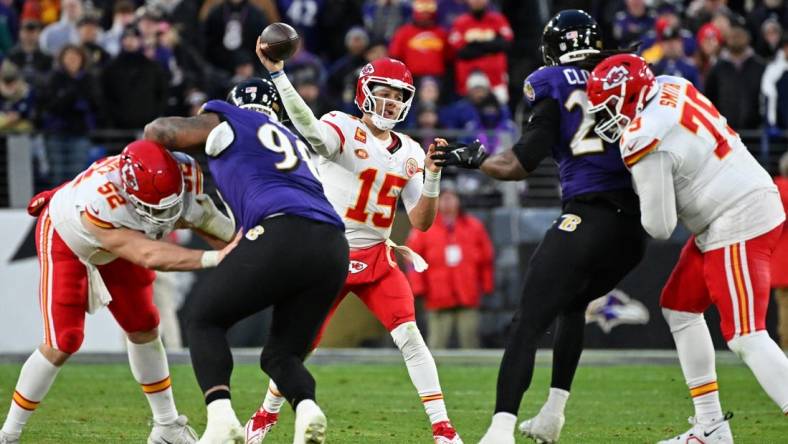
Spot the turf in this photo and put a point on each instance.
(377, 404)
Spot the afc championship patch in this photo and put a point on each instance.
(411, 167)
(361, 135)
(255, 232)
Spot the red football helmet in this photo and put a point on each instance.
(389, 73)
(153, 181)
(620, 86)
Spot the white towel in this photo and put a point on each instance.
(98, 295)
(419, 264)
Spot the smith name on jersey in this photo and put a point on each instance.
(718, 183)
(586, 163)
(261, 169)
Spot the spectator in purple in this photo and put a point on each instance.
(305, 16)
(734, 83)
(230, 27)
(70, 104)
(383, 17)
(34, 64)
(150, 26)
(57, 35)
(674, 62)
(632, 24)
(481, 114)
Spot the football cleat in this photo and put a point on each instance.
(310, 424)
(177, 432)
(716, 432)
(223, 433)
(444, 433)
(259, 425)
(5, 438)
(545, 427)
(495, 436)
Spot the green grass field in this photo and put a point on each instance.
(377, 404)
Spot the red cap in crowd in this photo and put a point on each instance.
(709, 30)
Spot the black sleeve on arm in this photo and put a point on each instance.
(540, 134)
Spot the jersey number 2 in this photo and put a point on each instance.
(582, 143)
(274, 139)
(385, 199)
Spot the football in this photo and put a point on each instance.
(282, 41)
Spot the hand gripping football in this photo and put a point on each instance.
(282, 41)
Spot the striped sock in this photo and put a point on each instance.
(149, 366)
(35, 379)
(435, 407)
(706, 398)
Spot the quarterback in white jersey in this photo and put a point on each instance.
(97, 241)
(365, 167)
(688, 164)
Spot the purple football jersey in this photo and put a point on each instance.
(265, 172)
(586, 164)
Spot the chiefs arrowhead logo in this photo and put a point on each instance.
(357, 267)
(615, 78)
(367, 69)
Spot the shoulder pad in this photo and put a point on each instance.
(218, 106)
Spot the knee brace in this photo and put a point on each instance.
(679, 320)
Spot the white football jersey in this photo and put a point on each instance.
(363, 180)
(97, 193)
(722, 194)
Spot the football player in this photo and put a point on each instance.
(97, 242)
(294, 255)
(689, 165)
(595, 242)
(366, 167)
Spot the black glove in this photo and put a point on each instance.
(461, 155)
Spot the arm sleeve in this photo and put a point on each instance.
(320, 135)
(653, 177)
(412, 191)
(540, 134)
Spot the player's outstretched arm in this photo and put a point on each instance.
(653, 177)
(504, 166)
(323, 139)
(155, 255)
(182, 133)
(422, 215)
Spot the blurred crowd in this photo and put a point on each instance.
(70, 67)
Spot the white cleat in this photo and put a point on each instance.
(495, 436)
(716, 432)
(5, 438)
(544, 428)
(223, 433)
(177, 432)
(310, 424)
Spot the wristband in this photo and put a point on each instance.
(209, 259)
(432, 184)
(276, 74)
